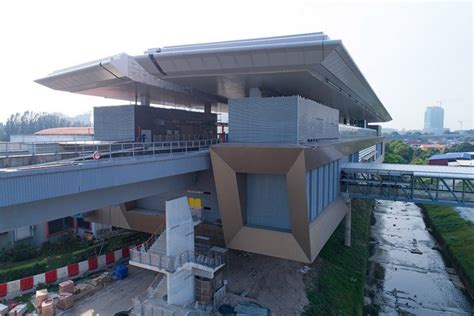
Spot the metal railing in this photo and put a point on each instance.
(347, 131)
(437, 189)
(85, 151)
(172, 263)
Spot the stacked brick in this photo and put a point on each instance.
(27, 285)
(47, 308)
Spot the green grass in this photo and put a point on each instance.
(338, 288)
(456, 235)
(61, 255)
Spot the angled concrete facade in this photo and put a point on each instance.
(232, 163)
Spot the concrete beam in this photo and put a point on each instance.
(40, 211)
(35, 184)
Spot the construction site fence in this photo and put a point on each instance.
(94, 264)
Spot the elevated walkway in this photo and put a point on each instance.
(412, 183)
(46, 192)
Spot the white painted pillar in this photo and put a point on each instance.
(179, 240)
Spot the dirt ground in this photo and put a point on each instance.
(271, 282)
(115, 297)
(274, 283)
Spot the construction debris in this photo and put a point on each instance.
(41, 296)
(65, 301)
(66, 287)
(82, 290)
(47, 308)
(250, 309)
(18, 310)
(304, 269)
(102, 280)
(3, 310)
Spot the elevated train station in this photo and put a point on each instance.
(301, 141)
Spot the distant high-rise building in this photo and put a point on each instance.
(434, 120)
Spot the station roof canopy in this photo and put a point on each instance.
(309, 65)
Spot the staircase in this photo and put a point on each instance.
(162, 289)
(159, 246)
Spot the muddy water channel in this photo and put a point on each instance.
(407, 274)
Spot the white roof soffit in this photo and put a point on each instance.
(309, 65)
(121, 77)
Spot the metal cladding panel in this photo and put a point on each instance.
(114, 123)
(322, 188)
(316, 121)
(263, 120)
(267, 201)
(55, 182)
(289, 120)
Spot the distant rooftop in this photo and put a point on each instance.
(67, 131)
(460, 155)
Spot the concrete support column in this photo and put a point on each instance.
(145, 100)
(255, 93)
(348, 224)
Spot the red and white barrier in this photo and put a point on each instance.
(74, 270)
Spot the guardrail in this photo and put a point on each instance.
(347, 131)
(85, 151)
(142, 255)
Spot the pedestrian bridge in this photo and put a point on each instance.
(411, 183)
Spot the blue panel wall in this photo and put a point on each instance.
(322, 188)
(267, 201)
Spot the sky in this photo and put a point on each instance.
(413, 54)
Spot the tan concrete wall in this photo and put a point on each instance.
(321, 229)
(118, 216)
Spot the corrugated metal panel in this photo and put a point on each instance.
(263, 120)
(316, 121)
(267, 201)
(322, 188)
(114, 123)
(281, 120)
(367, 153)
(39, 184)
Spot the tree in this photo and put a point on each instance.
(462, 147)
(398, 152)
(30, 122)
(3, 135)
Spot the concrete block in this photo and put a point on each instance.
(47, 308)
(41, 296)
(14, 286)
(18, 310)
(118, 254)
(83, 267)
(101, 261)
(65, 301)
(62, 273)
(39, 278)
(66, 287)
(3, 310)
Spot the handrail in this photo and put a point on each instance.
(348, 131)
(153, 236)
(117, 150)
(85, 149)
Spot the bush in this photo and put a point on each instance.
(19, 253)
